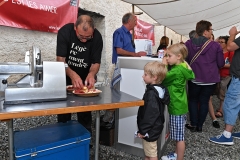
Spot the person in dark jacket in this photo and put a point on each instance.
(150, 118)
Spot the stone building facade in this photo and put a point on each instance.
(14, 42)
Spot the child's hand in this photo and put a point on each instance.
(140, 136)
(164, 61)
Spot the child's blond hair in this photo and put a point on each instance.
(157, 69)
(179, 48)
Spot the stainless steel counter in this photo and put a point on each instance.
(108, 99)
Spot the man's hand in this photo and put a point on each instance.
(231, 45)
(141, 53)
(76, 81)
(90, 81)
(233, 31)
(123, 52)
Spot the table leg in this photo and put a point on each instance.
(97, 134)
(10, 139)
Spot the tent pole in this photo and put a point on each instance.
(133, 28)
(164, 30)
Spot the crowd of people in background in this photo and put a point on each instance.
(215, 71)
(190, 73)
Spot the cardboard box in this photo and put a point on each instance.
(61, 141)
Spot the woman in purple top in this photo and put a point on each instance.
(206, 68)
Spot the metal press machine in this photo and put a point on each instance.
(43, 81)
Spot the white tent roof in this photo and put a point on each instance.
(182, 15)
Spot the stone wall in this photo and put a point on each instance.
(15, 42)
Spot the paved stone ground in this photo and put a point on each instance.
(197, 145)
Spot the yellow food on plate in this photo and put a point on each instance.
(86, 90)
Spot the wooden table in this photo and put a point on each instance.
(108, 99)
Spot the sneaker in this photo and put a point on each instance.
(221, 139)
(170, 156)
(236, 135)
(216, 124)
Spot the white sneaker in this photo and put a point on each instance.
(170, 156)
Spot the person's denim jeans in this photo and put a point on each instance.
(198, 98)
(231, 105)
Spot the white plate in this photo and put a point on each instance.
(69, 88)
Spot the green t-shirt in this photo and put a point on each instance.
(175, 81)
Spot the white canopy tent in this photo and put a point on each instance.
(182, 15)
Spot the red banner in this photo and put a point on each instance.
(144, 30)
(40, 15)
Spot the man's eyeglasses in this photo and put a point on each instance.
(80, 37)
(211, 29)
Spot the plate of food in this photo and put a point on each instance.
(85, 92)
(70, 88)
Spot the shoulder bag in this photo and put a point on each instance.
(200, 51)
